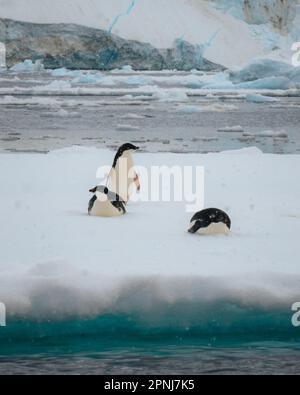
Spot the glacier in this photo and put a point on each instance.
(61, 46)
(267, 26)
(126, 13)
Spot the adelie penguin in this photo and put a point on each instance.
(122, 177)
(211, 221)
(105, 203)
(111, 202)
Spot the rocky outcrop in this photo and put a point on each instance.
(279, 13)
(79, 47)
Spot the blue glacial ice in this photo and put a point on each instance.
(63, 72)
(137, 80)
(273, 83)
(256, 98)
(28, 66)
(260, 69)
(294, 76)
(89, 78)
(266, 74)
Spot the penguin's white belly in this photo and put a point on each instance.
(215, 229)
(122, 178)
(105, 209)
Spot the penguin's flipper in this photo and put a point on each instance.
(91, 204)
(120, 205)
(116, 201)
(137, 182)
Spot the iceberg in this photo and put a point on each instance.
(88, 78)
(137, 80)
(28, 66)
(231, 129)
(63, 72)
(273, 83)
(260, 99)
(268, 133)
(169, 96)
(260, 69)
(294, 76)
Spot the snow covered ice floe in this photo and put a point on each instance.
(70, 265)
(63, 72)
(170, 95)
(231, 129)
(132, 116)
(127, 128)
(268, 133)
(215, 107)
(257, 98)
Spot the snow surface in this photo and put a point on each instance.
(56, 260)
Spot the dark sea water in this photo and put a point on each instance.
(179, 360)
(247, 343)
(39, 121)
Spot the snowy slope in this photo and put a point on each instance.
(230, 40)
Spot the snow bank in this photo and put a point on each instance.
(68, 264)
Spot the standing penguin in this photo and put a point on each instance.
(122, 175)
(211, 221)
(105, 203)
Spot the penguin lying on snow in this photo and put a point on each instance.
(210, 221)
(106, 203)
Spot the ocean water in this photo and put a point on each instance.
(37, 118)
(228, 341)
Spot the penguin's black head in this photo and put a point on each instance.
(103, 189)
(203, 219)
(122, 150)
